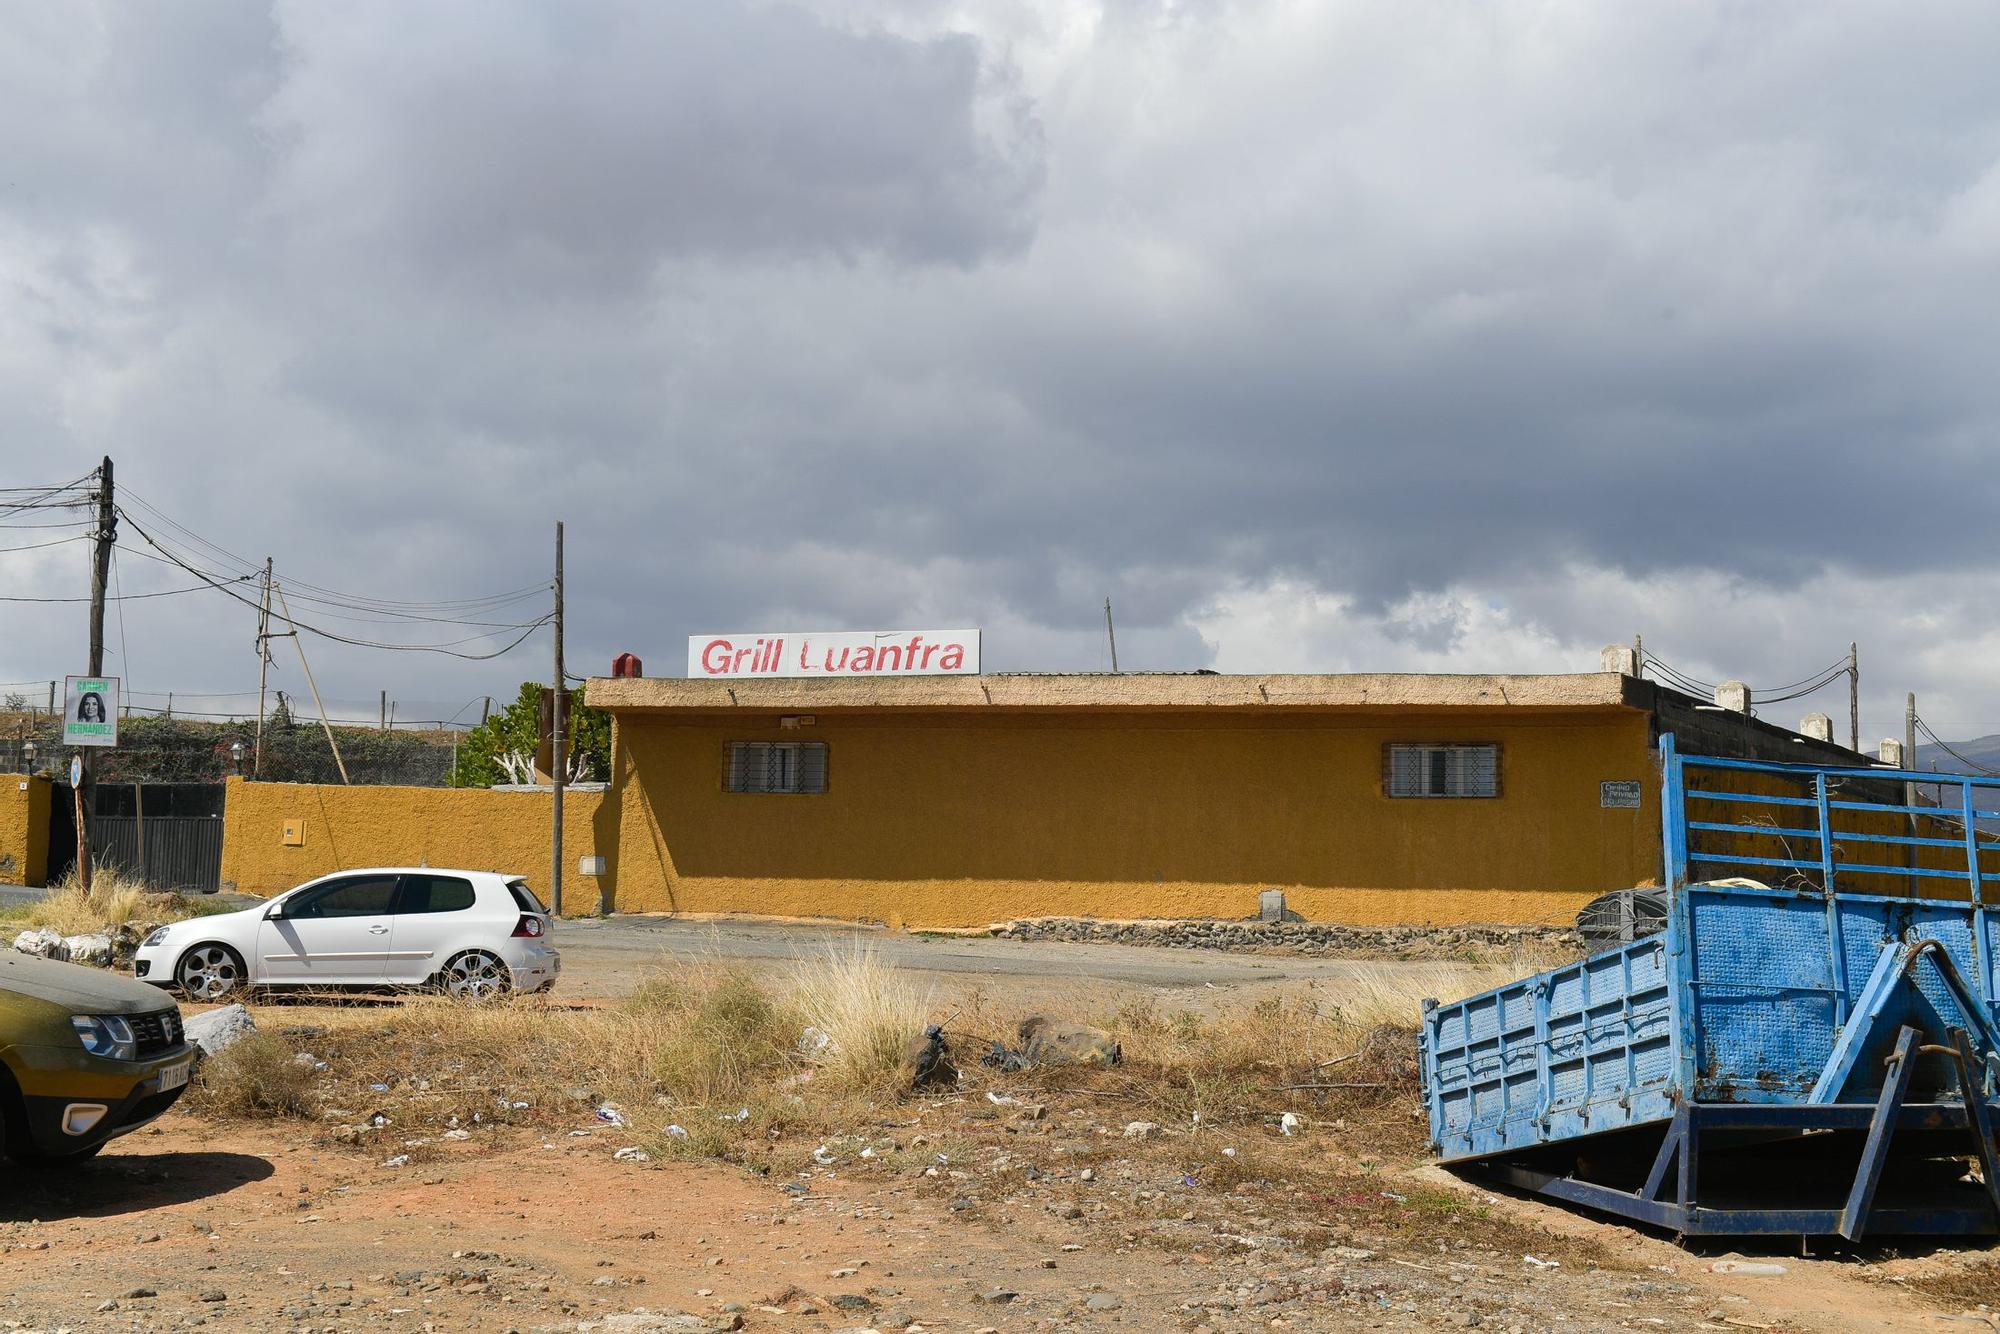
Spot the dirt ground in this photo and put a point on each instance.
(262, 1228)
(949, 1213)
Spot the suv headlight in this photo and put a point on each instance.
(106, 1035)
(159, 937)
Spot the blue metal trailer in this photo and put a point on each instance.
(1814, 1057)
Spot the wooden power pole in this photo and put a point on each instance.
(263, 662)
(556, 742)
(100, 576)
(100, 569)
(1854, 697)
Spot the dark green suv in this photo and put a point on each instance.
(85, 1056)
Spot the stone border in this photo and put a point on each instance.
(1314, 938)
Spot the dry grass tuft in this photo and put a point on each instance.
(713, 1034)
(708, 1048)
(1395, 993)
(115, 900)
(717, 1051)
(868, 1011)
(256, 1076)
(1341, 1049)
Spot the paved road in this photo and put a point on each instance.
(609, 956)
(606, 956)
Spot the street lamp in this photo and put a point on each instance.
(236, 755)
(28, 749)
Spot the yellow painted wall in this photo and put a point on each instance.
(963, 819)
(24, 829)
(473, 829)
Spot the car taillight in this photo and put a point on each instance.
(529, 925)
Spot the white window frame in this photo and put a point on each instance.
(1441, 770)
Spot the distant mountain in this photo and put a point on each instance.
(1984, 752)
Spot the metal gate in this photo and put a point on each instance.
(171, 852)
(165, 835)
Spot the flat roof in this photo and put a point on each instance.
(1115, 691)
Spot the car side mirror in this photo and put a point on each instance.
(274, 913)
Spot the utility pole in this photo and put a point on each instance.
(485, 710)
(1111, 634)
(1853, 697)
(382, 713)
(1639, 654)
(556, 741)
(100, 576)
(100, 570)
(1910, 789)
(263, 661)
(325, 725)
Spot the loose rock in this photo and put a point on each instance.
(219, 1028)
(1046, 1041)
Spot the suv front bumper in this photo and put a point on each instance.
(132, 1094)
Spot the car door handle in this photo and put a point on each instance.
(378, 930)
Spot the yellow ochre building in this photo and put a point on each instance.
(964, 800)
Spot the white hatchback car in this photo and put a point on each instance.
(472, 934)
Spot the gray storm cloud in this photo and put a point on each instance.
(1467, 333)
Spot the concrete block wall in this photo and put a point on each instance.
(24, 829)
(336, 828)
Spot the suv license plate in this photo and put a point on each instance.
(175, 1075)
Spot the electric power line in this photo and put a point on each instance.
(1946, 747)
(1798, 689)
(455, 611)
(124, 651)
(53, 542)
(449, 649)
(129, 597)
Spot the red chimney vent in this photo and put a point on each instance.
(627, 664)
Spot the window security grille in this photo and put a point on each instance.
(774, 766)
(1441, 771)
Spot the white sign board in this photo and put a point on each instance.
(1619, 794)
(837, 653)
(90, 711)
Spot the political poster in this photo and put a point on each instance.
(90, 711)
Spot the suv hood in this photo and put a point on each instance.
(76, 988)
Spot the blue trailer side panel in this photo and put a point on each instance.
(1573, 1051)
(1739, 1000)
(1596, 1045)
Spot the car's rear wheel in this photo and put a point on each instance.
(474, 976)
(210, 972)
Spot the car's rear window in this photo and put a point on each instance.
(524, 898)
(435, 893)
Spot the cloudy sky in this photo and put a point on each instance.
(1320, 336)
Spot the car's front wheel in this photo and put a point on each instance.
(210, 972)
(474, 976)
(17, 1143)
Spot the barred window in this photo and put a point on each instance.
(774, 766)
(1441, 771)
